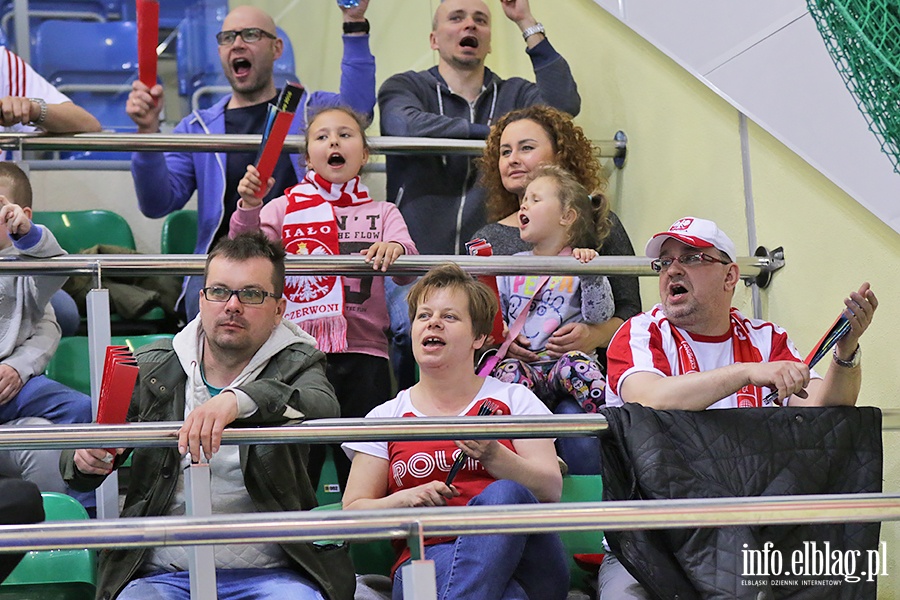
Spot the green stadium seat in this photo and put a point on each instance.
(55, 574)
(179, 233)
(374, 557)
(329, 490)
(70, 365)
(78, 230)
(582, 488)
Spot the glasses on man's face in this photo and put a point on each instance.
(249, 35)
(245, 296)
(661, 265)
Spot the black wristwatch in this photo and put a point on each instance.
(356, 26)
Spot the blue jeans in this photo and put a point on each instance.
(41, 399)
(48, 399)
(231, 584)
(582, 454)
(66, 312)
(498, 567)
(402, 359)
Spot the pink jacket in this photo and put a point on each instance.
(358, 228)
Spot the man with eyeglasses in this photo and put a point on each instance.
(694, 351)
(237, 363)
(248, 49)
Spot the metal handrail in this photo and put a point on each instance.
(323, 431)
(306, 526)
(162, 434)
(201, 142)
(752, 267)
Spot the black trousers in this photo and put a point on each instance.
(361, 382)
(20, 503)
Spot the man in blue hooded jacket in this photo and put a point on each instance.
(248, 49)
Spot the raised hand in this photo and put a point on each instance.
(860, 309)
(13, 218)
(251, 185)
(144, 106)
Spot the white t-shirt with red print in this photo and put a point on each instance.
(416, 462)
(647, 343)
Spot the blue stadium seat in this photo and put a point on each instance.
(41, 10)
(98, 75)
(171, 12)
(200, 76)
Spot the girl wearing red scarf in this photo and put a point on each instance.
(331, 212)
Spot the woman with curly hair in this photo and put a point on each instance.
(520, 142)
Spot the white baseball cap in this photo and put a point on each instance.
(699, 233)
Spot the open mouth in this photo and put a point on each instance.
(433, 342)
(240, 66)
(336, 160)
(676, 290)
(523, 220)
(470, 41)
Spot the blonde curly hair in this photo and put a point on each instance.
(571, 147)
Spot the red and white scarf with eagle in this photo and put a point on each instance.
(316, 302)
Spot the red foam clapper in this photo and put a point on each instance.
(481, 247)
(148, 38)
(120, 372)
(273, 140)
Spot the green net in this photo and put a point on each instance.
(863, 38)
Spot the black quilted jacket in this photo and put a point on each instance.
(650, 454)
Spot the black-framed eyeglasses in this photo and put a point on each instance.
(249, 35)
(660, 265)
(245, 296)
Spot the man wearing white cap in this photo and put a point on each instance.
(694, 351)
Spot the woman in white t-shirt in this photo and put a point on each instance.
(451, 316)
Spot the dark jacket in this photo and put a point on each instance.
(436, 193)
(650, 454)
(274, 474)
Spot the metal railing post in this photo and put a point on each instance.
(418, 574)
(99, 337)
(201, 559)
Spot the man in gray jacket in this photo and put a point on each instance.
(458, 98)
(237, 363)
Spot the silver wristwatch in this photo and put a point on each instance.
(536, 28)
(43, 105)
(854, 361)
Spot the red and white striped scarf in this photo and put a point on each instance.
(744, 352)
(316, 302)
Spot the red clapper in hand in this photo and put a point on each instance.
(148, 39)
(278, 123)
(120, 372)
(838, 329)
